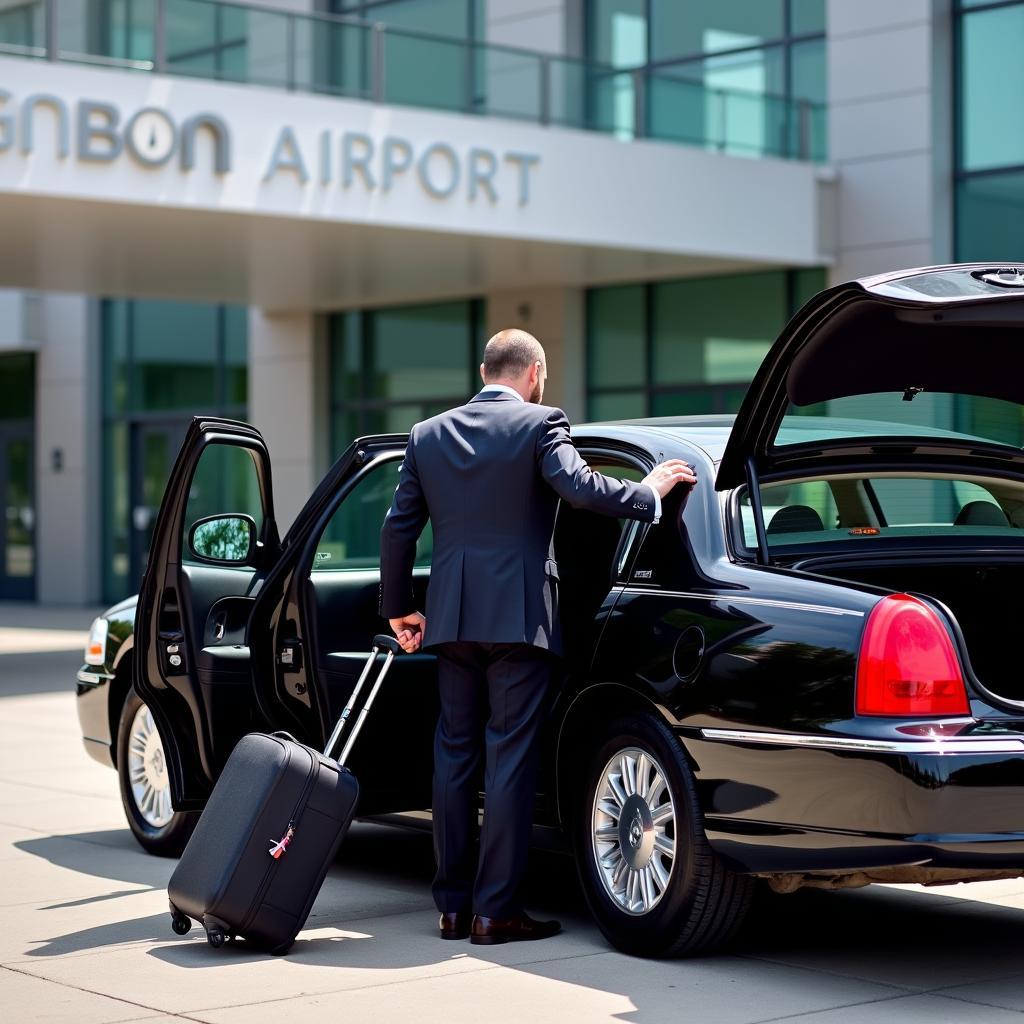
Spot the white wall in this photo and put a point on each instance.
(288, 391)
(890, 122)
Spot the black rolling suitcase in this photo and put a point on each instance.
(270, 830)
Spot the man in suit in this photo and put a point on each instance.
(488, 475)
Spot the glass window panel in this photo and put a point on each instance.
(930, 414)
(624, 405)
(346, 355)
(618, 32)
(114, 317)
(684, 29)
(807, 282)
(236, 356)
(345, 428)
(116, 538)
(191, 25)
(420, 352)
(351, 539)
(809, 78)
(225, 481)
(683, 403)
(19, 510)
(990, 70)
(716, 330)
(990, 217)
(437, 17)
(425, 72)
(806, 16)
(616, 335)
(17, 386)
(174, 350)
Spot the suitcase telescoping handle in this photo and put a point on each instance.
(381, 642)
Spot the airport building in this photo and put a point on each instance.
(311, 214)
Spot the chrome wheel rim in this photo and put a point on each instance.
(147, 771)
(634, 831)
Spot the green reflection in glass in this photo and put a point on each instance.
(990, 217)
(616, 330)
(990, 69)
(225, 539)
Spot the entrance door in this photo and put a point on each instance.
(17, 504)
(154, 448)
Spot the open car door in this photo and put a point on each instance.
(214, 543)
(314, 621)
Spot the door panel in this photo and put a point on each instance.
(322, 619)
(193, 674)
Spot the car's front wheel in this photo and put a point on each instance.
(145, 784)
(651, 879)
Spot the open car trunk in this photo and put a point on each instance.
(984, 596)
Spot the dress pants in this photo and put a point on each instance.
(493, 705)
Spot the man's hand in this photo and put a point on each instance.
(666, 475)
(409, 631)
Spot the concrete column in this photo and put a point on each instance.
(68, 459)
(890, 126)
(555, 316)
(288, 394)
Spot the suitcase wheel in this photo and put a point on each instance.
(216, 938)
(217, 932)
(181, 924)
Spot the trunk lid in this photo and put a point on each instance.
(929, 360)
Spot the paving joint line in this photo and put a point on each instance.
(906, 989)
(832, 1009)
(488, 967)
(156, 1011)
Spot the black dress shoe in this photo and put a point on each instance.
(454, 926)
(490, 931)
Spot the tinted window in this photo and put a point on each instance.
(856, 510)
(351, 539)
(225, 482)
(931, 414)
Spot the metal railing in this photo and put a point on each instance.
(342, 56)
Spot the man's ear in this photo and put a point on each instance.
(482, 377)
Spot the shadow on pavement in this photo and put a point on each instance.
(40, 672)
(378, 893)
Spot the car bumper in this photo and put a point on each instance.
(92, 693)
(812, 803)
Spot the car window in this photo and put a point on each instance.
(851, 509)
(225, 482)
(351, 539)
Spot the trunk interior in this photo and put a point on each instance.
(983, 597)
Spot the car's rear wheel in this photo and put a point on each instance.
(651, 879)
(145, 784)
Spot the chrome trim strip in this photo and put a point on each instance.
(94, 678)
(950, 745)
(743, 599)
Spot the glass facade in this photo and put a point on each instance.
(17, 476)
(744, 76)
(163, 362)
(392, 367)
(989, 200)
(685, 347)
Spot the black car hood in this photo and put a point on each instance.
(951, 329)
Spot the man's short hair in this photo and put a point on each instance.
(510, 353)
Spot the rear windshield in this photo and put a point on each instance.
(936, 414)
(861, 509)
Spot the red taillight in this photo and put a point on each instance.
(907, 664)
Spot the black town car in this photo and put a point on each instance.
(807, 673)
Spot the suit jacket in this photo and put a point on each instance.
(489, 475)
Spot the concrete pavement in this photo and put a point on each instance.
(86, 937)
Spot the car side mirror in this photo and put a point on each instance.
(223, 540)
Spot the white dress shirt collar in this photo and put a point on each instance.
(501, 387)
